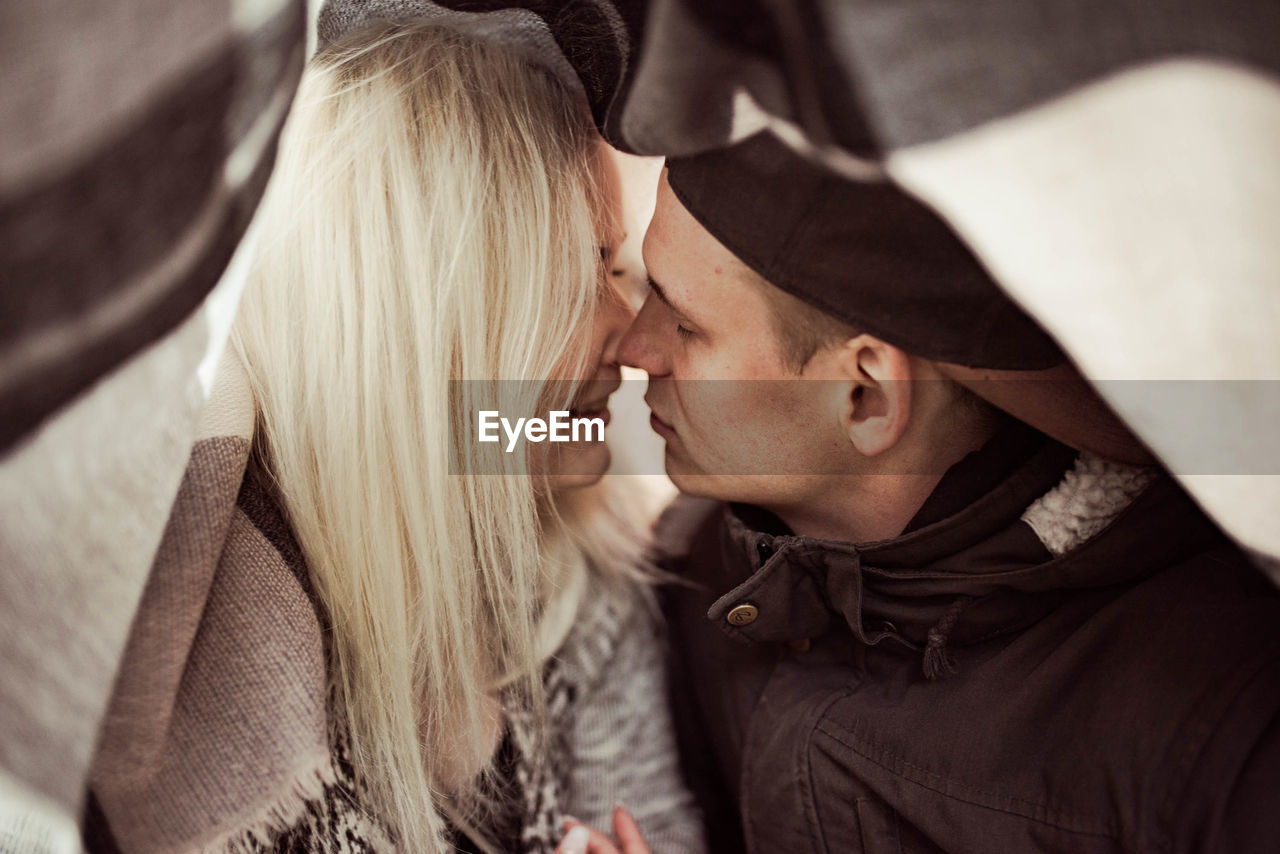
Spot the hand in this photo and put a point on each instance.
(581, 839)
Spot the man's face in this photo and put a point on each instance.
(739, 423)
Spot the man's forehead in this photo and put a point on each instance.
(681, 253)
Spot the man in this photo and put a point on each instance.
(916, 624)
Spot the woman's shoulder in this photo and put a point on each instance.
(616, 618)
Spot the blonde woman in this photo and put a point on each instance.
(366, 631)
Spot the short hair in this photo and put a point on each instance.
(802, 330)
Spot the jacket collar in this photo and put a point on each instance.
(976, 572)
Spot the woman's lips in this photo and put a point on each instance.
(661, 427)
(598, 407)
(600, 411)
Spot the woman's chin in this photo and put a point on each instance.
(580, 466)
(570, 482)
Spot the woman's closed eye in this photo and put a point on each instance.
(608, 261)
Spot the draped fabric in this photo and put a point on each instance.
(1112, 165)
(136, 137)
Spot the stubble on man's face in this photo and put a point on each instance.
(739, 423)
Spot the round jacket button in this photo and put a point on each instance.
(742, 615)
(800, 645)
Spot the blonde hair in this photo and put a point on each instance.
(431, 219)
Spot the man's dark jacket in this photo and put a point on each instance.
(1122, 696)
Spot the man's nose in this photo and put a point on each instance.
(639, 346)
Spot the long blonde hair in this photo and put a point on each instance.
(431, 219)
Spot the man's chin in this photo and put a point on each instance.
(689, 480)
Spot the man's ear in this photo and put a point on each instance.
(879, 400)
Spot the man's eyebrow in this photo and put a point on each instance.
(661, 294)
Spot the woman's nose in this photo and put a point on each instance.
(618, 315)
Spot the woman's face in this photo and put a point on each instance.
(572, 465)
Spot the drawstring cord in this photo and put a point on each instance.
(938, 661)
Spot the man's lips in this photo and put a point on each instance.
(659, 424)
(661, 427)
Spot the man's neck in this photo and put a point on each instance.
(860, 508)
(879, 505)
